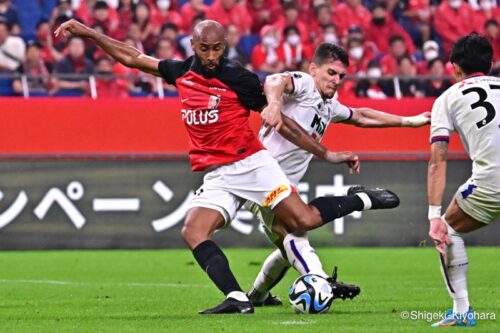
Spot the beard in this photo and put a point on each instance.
(206, 71)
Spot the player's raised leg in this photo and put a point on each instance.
(198, 228)
(293, 215)
(376, 198)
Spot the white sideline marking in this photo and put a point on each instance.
(121, 284)
(296, 322)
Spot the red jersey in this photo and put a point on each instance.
(188, 12)
(380, 35)
(237, 15)
(215, 110)
(480, 18)
(258, 58)
(451, 23)
(346, 16)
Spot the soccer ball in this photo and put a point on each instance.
(310, 293)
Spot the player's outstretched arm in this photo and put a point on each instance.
(436, 181)
(121, 52)
(274, 88)
(366, 117)
(294, 133)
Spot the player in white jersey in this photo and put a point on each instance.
(470, 107)
(309, 100)
(306, 106)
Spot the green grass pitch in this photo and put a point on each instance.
(162, 290)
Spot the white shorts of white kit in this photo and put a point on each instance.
(481, 204)
(257, 178)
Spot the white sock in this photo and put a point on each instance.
(367, 202)
(272, 271)
(455, 271)
(301, 255)
(238, 295)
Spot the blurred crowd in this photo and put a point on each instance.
(391, 44)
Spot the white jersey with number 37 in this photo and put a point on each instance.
(472, 108)
(306, 106)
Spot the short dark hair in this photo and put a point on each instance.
(354, 40)
(396, 38)
(320, 7)
(327, 51)
(63, 18)
(33, 43)
(169, 25)
(100, 26)
(103, 58)
(328, 25)
(291, 27)
(163, 40)
(404, 57)
(72, 37)
(433, 61)
(491, 22)
(374, 63)
(40, 23)
(473, 53)
(201, 16)
(3, 20)
(101, 5)
(354, 29)
(289, 5)
(379, 4)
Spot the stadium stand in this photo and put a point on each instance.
(365, 26)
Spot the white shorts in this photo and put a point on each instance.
(257, 178)
(479, 203)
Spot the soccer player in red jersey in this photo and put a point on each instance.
(216, 97)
